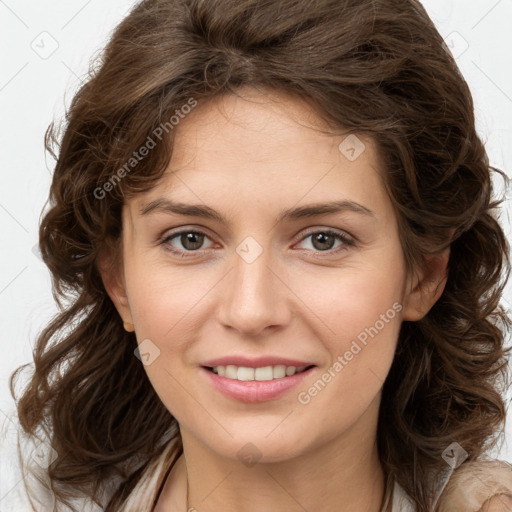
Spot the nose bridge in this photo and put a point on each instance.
(254, 300)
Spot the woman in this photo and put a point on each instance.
(274, 226)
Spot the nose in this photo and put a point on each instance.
(255, 296)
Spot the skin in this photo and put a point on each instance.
(249, 158)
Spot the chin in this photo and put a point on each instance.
(252, 448)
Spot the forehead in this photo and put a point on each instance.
(269, 146)
(257, 124)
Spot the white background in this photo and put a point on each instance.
(36, 87)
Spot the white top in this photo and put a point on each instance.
(401, 500)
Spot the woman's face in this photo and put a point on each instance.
(267, 276)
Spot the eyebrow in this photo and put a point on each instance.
(165, 205)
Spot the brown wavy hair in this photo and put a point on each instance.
(375, 67)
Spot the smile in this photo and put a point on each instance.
(244, 373)
(251, 389)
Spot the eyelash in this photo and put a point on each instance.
(347, 242)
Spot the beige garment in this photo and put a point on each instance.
(468, 488)
(473, 483)
(144, 496)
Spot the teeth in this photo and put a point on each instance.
(265, 373)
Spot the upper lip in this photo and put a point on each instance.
(256, 362)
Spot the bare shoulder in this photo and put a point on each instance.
(479, 486)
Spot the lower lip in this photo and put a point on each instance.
(255, 390)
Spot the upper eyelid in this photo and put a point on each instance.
(334, 231)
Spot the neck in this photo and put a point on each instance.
(274, 487)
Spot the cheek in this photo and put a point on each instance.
(350, 300)
(162, 305)
(372, 303)
(163, 299)
(358, 313)
(364, 319)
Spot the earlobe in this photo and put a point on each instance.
(112, 277)
(427, 287)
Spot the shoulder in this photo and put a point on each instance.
(478, 486)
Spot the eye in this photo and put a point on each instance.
(190, 241)
(324, 240)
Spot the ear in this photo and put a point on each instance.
(426, 286)
(112, 275)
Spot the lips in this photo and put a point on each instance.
(260, 389)
(255, 391)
